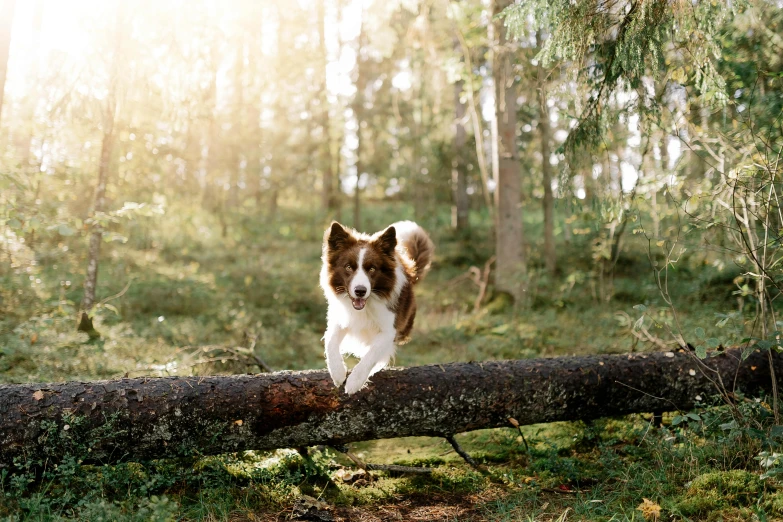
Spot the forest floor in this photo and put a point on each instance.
(191, 292)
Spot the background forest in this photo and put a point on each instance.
(598, 177)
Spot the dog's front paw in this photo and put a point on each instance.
(338, 374)
(355, 383)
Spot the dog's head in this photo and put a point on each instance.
(360, 267)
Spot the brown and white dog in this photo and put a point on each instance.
(368, 282)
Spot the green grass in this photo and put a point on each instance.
(190, 287)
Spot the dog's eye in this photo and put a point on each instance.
(348, 268)
(372, 269)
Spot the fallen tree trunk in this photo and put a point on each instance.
(149, 418)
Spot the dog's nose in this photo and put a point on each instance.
(360, 291)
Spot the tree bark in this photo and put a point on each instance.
(358, 111)
(475, 120)
(32, 74)
(280, 163)
(550, 255)
(99, 206)
(7, 8)
(93, 256)
(209, 194)
(698, 165)
(240, 110)
(327, 164)
(150, 418)
(511, 264)
(459, 185)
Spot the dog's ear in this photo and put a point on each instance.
(337, 237)
(388, 241)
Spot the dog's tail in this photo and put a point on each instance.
(418, 245)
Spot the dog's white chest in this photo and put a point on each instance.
(363, 326)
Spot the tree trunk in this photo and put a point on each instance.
(698, 165)
(271, 211)
(550, 255)
(589, 183)
(279, 164)
(358, 111)
(150, 418)
(91, 282)
(327, 164)
(418, 108)
(209, 194)
(459, 185)
(33, 73)
(357, 195)
(7, 8)
(511, 270)
(240, 110)
(104, 164)
(475, 120)
(664, 174)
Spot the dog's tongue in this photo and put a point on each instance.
(358, 304)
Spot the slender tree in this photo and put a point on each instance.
(359, 114)
(7, 8)
(32, 74)
(459, 210)
(327, 163)
(211, 160)
(109, 120)
(475, 119)
(544, 131)
(509, 234)
(238, 123)
(280, 166)
(254, 108)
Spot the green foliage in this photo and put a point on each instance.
(627, 46)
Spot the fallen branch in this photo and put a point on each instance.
(149, 418)
(465, 455)
(222, 354)
(481, 279)
(478, 277)
(393, 468)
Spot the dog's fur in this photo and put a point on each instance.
(368, 324)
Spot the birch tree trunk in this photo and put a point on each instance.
(509, 234)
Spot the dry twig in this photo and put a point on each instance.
(465, 455)
(366, 466)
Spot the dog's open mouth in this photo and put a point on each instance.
(358, 303)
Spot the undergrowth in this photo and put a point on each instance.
(693, 470)
(191, 294)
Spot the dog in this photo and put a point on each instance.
(368, 283)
